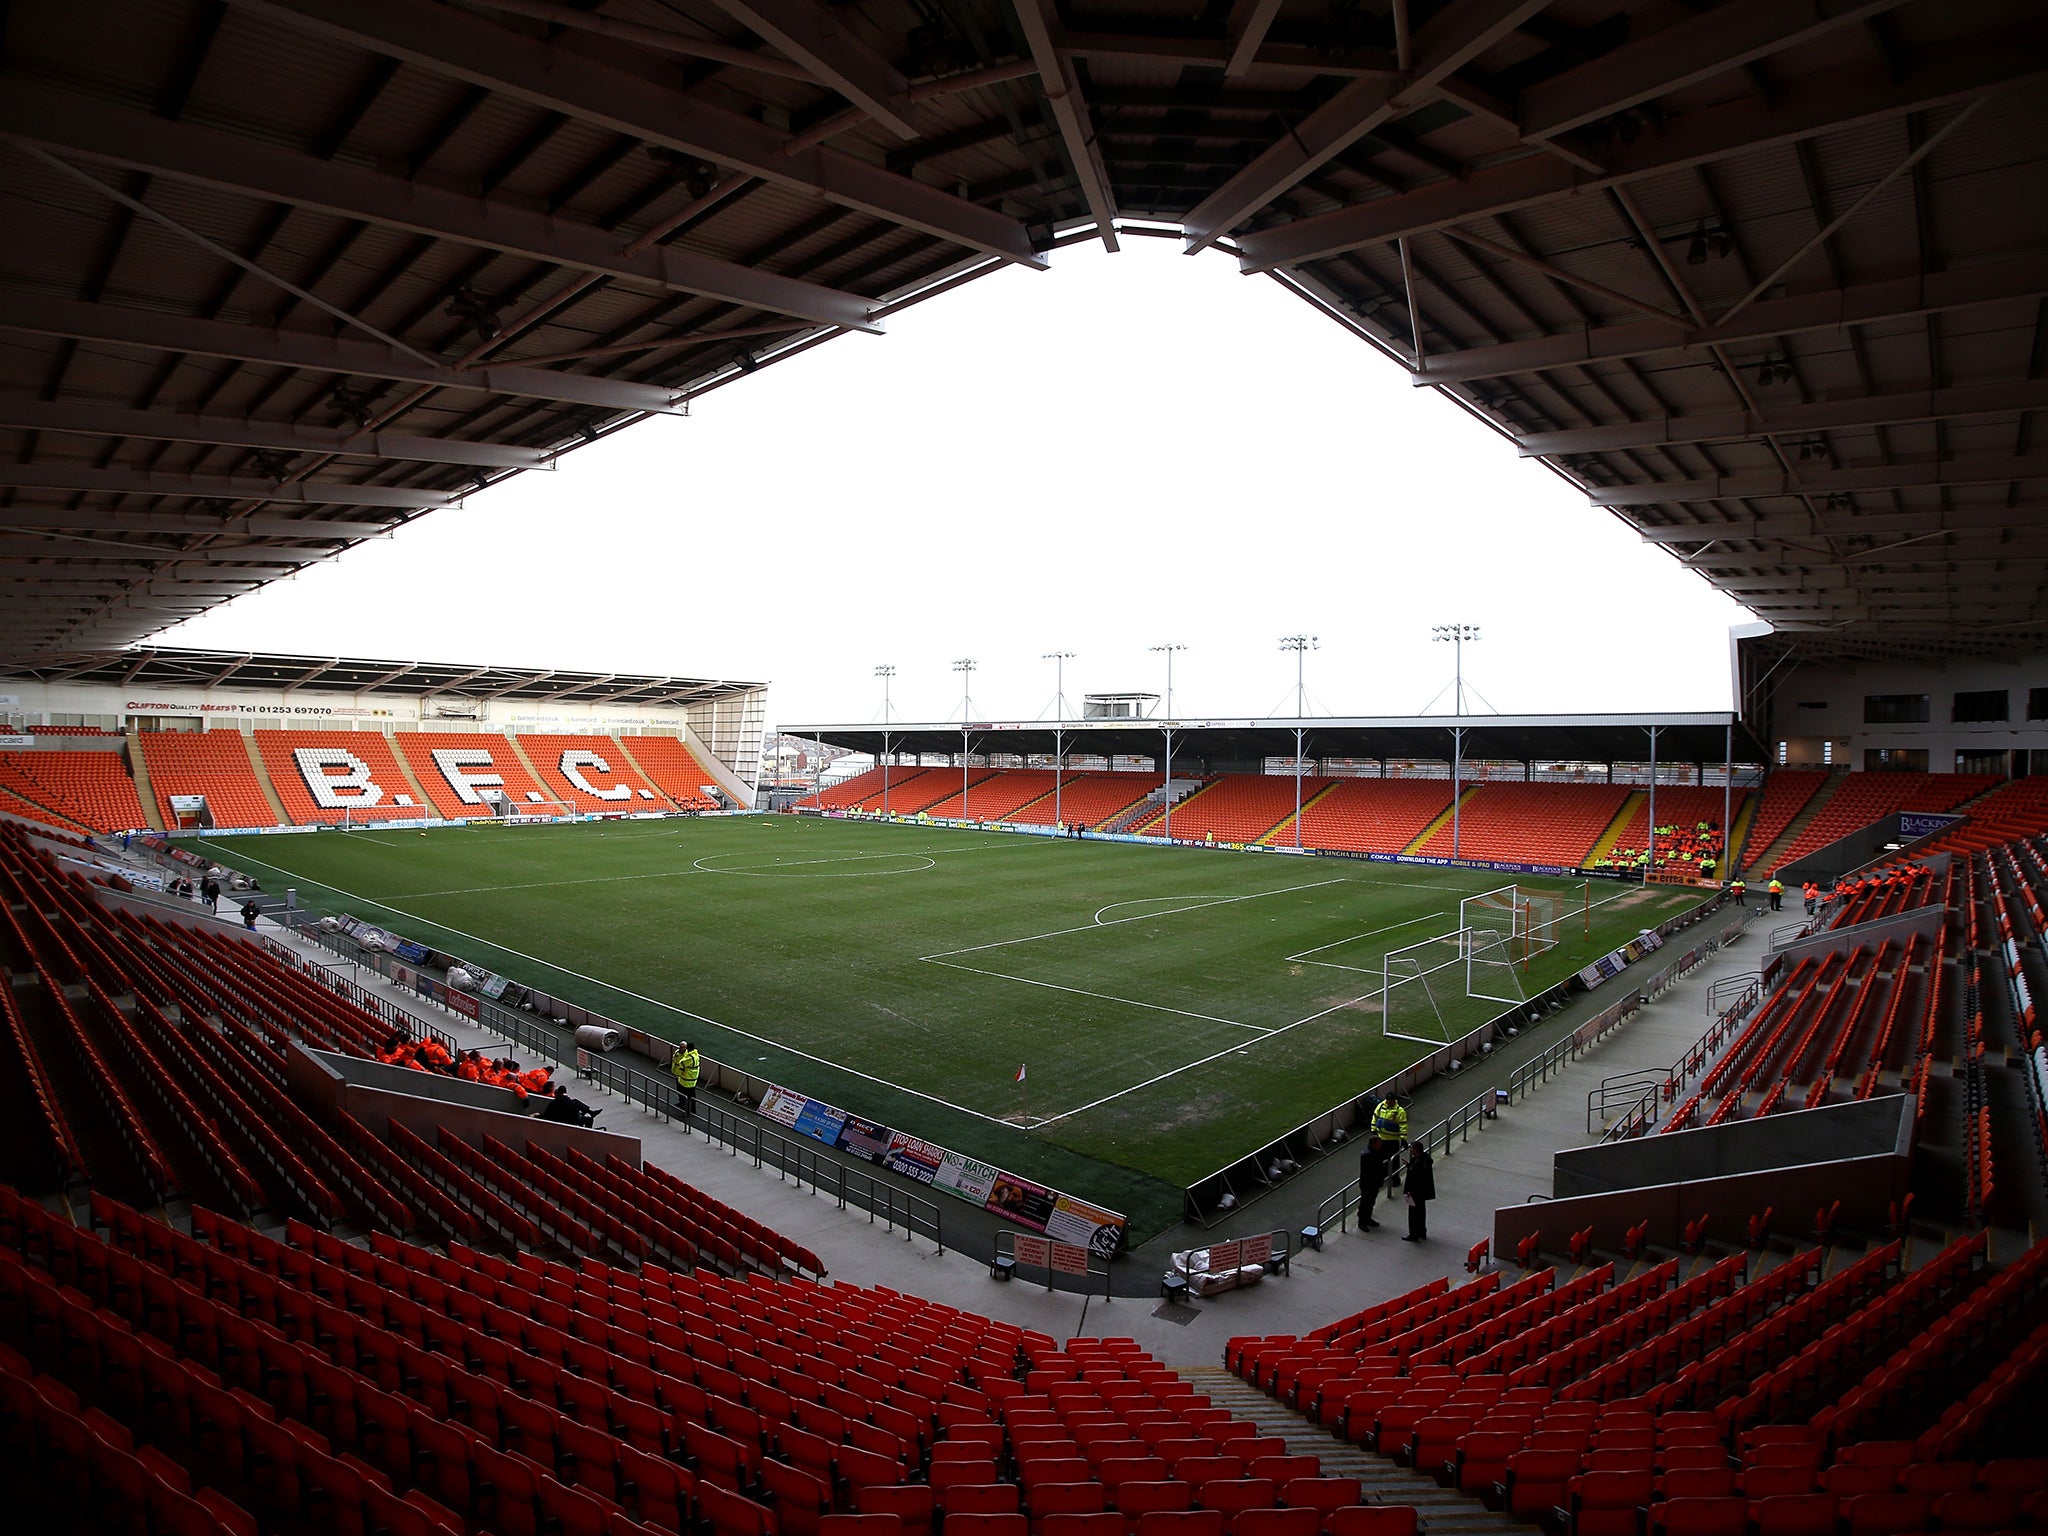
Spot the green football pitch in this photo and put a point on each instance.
(1175, 1009)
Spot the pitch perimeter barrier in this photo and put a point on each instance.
(806, 1163)
(1032, 1250)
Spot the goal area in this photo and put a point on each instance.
(1440, 989)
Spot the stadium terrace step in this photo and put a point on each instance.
(138, 765)
(1282, 836)
(667, 801)
(1381, 1481)
(1791, 801)
(1639, 800)
(519, 751)
(263, 780)
(1443, 820)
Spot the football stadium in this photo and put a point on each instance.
(512, 1097)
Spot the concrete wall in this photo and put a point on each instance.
(1795, 1164)
(1925, 921)
(1814, 701)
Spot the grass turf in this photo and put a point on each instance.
(1177, 1008)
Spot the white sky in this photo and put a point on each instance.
(1123, 451)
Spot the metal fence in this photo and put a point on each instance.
(1090, 1274)
(370, 1002)
(805, 1162)
(1454, 1129)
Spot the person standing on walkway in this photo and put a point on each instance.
(250, 912)
(1390, 1121)
(1777, 890)
(1372, 1178)
(687, 1065)
(1420, 1187)
(209, 892)
(1812, 894)
(1741, 891)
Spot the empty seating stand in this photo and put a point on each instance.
(590, 773)
(1087, 799)
(1530, 823)
(1786, 793)
(456, 769)
(211, 763)
(1862, 798)
(675, 770)
(1373, 815)
(84, 789)
(864, 791)
(1237, 808)
(356, 772)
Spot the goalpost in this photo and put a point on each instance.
(506, 811)
(1439, 989)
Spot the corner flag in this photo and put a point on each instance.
(1020, 1073)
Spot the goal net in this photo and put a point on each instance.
(1441, 989)
(532, 807)
(1529, 922)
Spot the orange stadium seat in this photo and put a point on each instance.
(1862, 798)
(590, 773)
(1531, 823)
(439, 775)
(92, 789)
(1786, 793)
(675, 770)
(1089, 799)
(1373, 815)
(863, 792)
(215, 764)
(996, 796)
(1684, 807)
(2017, 808)
(1236, 808)
(323, 770)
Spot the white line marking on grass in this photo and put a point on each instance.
(1129, 1002)
(642, 997)
(1089, 927)
(670, 874)
(759, 871)
(1373, 934)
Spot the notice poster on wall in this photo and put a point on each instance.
(964, 1178)
(409, 950)
(1076, 1221)
(864, 1139)
(782, 1106)
(912, 1158)
(492, 986)
(1018, 1199)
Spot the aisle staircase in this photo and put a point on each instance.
(1443, 1511)
(1442, 821)
(1616, 827)
(1282, 836)
(1769, 858)
(139, 767)
(664, 798)
(263, 781)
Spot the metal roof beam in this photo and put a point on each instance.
(1764, 322)
(581, 81)
(136, 482)
(1799, 109)
(259, 526)
(1697, 48)
(114, 135)
(1964, 403)
(1062, 87)
(1979, 469)
(63, 547)
(1247, 27)
(812, 36)
(104, 420)
(156, 331)
(1459, 33)
(1215, 53)
(1850, 524)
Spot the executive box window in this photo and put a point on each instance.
(1981, 705)
(1983, 762)
(1895, 709)
(1895, 759)
(2037, 703)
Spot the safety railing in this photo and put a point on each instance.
(1016, 1251)
(383, 1008)
(1562, 1053)
(1624, 1088)
(1454, 1129)
(807, 1163)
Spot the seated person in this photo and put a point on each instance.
(567, 1110)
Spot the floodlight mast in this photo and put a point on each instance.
(1457, 635)
(965, 667)
(1059, 660)
(885, 672)
(1166, 786)
(1301, 645)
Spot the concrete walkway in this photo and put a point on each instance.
(1503, 1163)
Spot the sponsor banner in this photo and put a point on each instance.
(1069, 1259)
(864, 1139)
(464, 1004)
(410, 950)
(912, 1157)
(17, 741)
(1034, 1251)
(782, 1106)
(964, 1178)
(1021, 1200)
(1592, 976)
(10, 701)
(1076, 1221)
(1914, 824)
(493, 986)
(820, 1122)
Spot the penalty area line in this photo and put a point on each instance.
(1090, 927)
(1128, 1002)
(641, 997)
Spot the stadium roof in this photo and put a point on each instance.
(1767, 280)
(1682, 738)
(166, 667)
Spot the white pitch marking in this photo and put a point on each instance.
(1217, 901)
(759, 871)
(1375, 933)
(642, 997)
(1129, 1002)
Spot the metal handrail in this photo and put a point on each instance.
(806, 1163)
(1458, 1123)
(1006, 1248)
(1625, 1087)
